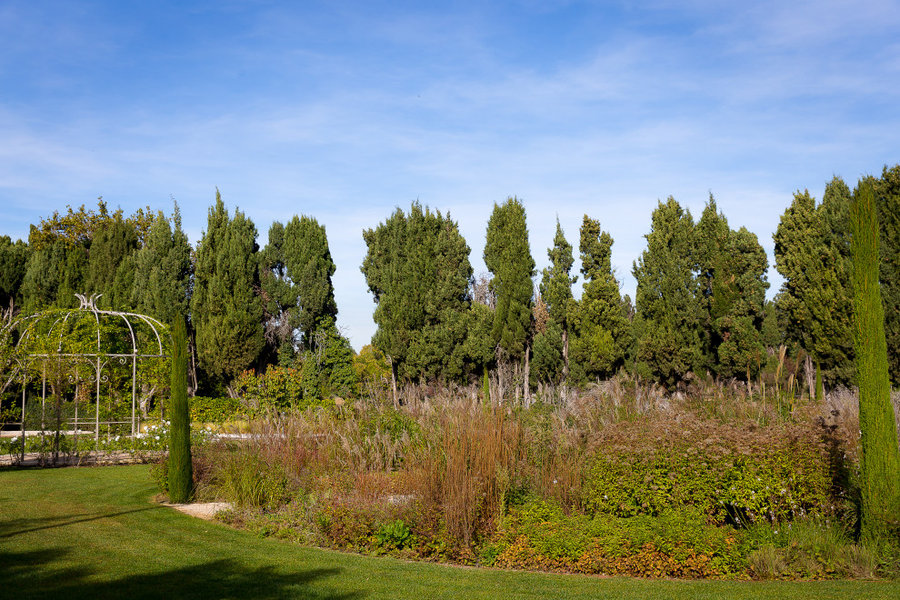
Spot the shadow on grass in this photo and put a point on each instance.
(20, 526)
(51, 574)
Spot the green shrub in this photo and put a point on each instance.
(216, 410)
(393, 536)
(732, 477)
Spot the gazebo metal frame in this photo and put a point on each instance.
(98, 358)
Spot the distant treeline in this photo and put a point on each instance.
(700, 306)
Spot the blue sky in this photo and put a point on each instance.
(346, 110)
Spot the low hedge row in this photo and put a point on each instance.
(729, 474)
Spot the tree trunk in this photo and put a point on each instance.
(192, 374)
(810, 376)
(820, 385)
(394, 383)
(527, 382)
(517, 382)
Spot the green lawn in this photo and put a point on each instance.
(94, 533)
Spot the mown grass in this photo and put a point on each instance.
(94, 533)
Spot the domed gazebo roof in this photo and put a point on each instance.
(87, 331)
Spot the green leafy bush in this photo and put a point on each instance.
(216, 410)
(731, 475)
(393, 536)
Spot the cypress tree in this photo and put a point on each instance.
(54, 273)
(731, 267)
(113, 242)
(279, 298)
(309, 266)
(162, 270)
(81, 251)
(225, 309)
(599, 319)
(418, 271)
(711, 237)
(887, 197)
(880, 457)
(13, 260)
(556, 291)
(667, 320)
(508, 257)
(180, 467)
(814, 299)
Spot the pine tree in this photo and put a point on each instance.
(667, 322)
(60, 263)
(296, 271)
(180, 467)
(880, 457)
(327, 367)
(225, 310)
(54, 272)
(738, 308)
(599, 319)
(507, 256)
(711, 238)
(279, 299)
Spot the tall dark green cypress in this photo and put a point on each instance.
(552, 346)
(507, 256)
(599, 319)
(887, 196)
(418, 271)
(180, 468)
(226, 311)
(309, 266)
(668, 317)
(880, 457)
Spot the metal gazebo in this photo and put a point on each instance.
(87, 347)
